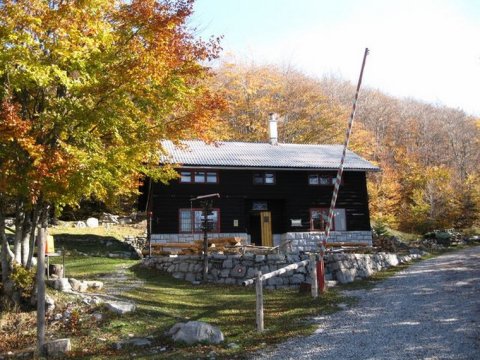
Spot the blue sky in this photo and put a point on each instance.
(425, 49)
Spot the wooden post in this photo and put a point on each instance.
(206, 210)
(259, 295)
(313, 275)
(205, 244)
(321, 275)
(149, 232)
(64, 272)
(41, 290)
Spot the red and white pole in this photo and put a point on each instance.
(338, 180)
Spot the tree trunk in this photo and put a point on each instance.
(41, 281)
(26, 231)
(4, 254)
(32, 235)
(19, 218)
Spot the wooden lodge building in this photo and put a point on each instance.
(268, 193)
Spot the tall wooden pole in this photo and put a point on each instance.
(206, 209)
(338, 180)
(259, 302)
(313, 275)
(41, 282)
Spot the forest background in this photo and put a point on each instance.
(89, 88)
(428, 154)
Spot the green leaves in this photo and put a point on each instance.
(97, 84)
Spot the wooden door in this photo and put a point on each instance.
(266, 227)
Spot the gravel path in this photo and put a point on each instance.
(429, 311)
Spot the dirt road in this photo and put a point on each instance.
(429, 311)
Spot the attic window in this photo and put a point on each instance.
(264, 178)
(198, 177)
(321, 180)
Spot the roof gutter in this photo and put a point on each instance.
(214, 167)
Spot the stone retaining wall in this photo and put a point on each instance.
(234, 269)
(291, 241)
(231, 269)
(187, 237)
(309, 241)
(346, 268)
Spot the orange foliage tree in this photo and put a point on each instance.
(87, 90)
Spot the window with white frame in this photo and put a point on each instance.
(321, 180)
(319, 219)
(191, 220)
(264, 178)
(198, 177)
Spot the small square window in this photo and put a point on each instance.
(258, 179)
(266, 178)
(199, 176)
(269, 178)
(313, 179)
(325, 180)
(321, 180)
(185, 177)
(212, 177)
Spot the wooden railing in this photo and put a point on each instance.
(259, 279)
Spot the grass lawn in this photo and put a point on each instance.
(117, 231)
(163, 301)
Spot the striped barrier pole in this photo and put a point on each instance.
(338, 179)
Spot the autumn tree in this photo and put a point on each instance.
(427, 153)
(253, 91)
(87, 90)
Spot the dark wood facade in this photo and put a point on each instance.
(289, 197)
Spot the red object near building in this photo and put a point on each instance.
(321, 276)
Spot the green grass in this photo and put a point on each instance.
(86, 267)
(407, 237)
(163, 301)
(115, 231)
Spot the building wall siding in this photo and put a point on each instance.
(289, 198)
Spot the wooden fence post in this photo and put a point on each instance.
(259, 296)
(313, 275)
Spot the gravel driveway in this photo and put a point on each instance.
(429, 311)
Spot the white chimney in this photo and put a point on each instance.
(273, 129)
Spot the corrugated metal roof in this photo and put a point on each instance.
(262, 155)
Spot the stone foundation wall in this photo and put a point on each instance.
(186, 238)
(309, 241)
(297, 241)
(234, 269)
(346, 268)
(231, 269)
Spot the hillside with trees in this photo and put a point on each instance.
(429, 154)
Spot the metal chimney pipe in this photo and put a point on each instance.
(273, 129)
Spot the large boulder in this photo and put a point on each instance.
(120, 307)
(92, 222)
(196, 331)
(58, 347)
(62, 284)
(49, 303)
